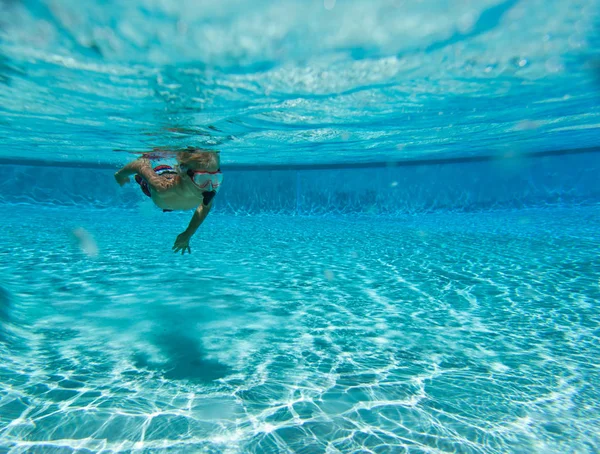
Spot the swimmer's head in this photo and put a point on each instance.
(199, 159)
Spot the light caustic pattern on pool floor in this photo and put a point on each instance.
(442, 333)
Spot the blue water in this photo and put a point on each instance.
(404, 256)
(449, 333)
(291, 81)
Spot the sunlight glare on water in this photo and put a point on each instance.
(296, 81)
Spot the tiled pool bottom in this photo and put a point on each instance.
(442, 333)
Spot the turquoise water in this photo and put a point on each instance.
(449, 333)
(404, 256)
(295, 82)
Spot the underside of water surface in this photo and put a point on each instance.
(403, 256)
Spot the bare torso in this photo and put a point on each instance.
(180, 195)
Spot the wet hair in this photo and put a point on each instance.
(197, 158)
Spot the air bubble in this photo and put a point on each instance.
(329, 4)
(527, 125)
(467, 22)
(86, 242)
(554, 65)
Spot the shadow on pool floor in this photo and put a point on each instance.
(186, 359)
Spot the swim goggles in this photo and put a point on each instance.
(205, 181)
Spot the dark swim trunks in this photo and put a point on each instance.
(159, 170)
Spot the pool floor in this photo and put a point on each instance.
(464, 333)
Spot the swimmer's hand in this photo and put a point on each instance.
(121, 178)
(182, 243)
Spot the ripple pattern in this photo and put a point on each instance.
(437, 333)
(272, 81)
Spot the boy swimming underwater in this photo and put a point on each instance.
(192, 184)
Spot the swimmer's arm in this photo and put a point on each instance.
(183, 240)
(198, 218)
(142, 167)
